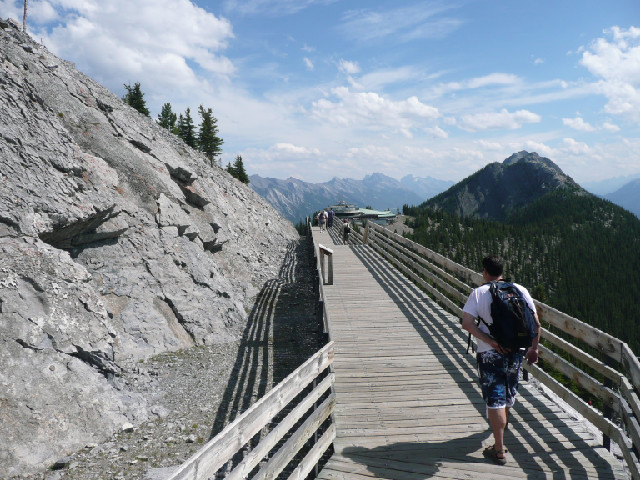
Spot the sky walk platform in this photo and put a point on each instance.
(408, 404)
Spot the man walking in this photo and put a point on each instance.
(499, 367)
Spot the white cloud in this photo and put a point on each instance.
(155, 42)
(617, 64)
(500, 120)
(578, 123)
(369, 110)
(401, 24)
(492, 79)
(610, 127)
(308, 63)
(489, 145)
(538, 61)
(576, 148)
(293, 149)
(436, 132)
(271, 8)
(350, 68)
(540, 148)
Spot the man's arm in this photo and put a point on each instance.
(532, 352)
(469, 324)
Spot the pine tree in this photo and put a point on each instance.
(240, 172)
(135, 98)
(186, 129)
(231, 170)
(166, 118)
(208, 141)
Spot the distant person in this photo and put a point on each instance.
(498, 366)
(345, 231)
(322, 220)
(330, 215)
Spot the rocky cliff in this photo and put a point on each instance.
(117, 242)
(500, 188)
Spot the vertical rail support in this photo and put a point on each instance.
(365, 236)
(607, 411)
(326, 252)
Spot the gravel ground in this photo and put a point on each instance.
(200, 390)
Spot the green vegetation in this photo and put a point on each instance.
(205, 138)
(574, 251)
(237, 170)
(135, 98)
(208, 141)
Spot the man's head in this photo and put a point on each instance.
(493, 265)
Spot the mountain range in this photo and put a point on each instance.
(296, 199)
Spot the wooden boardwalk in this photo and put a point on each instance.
(408, 406)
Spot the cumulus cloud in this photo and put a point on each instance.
(616, 61)
(578, 123)
(369, 110)
(293, 149)
(350, 68)
(151, 41)
(436, 132)
(574, 147)
(503, 120)
(610, 127)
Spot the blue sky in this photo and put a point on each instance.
(320, 88)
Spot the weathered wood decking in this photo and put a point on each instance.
(407, 401)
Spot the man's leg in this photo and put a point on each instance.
(498, 420)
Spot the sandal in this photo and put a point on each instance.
(492, 454)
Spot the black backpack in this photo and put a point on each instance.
(514, 324)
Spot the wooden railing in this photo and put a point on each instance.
(450, 284)
(269, 457)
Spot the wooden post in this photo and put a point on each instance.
(365, 236)
(607, 411)
(324, 251)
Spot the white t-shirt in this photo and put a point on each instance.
(479, 305)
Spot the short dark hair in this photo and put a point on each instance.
(493, 264)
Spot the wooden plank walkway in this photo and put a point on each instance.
(408, 404)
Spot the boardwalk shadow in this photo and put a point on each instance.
(540, 429)
(280, 334)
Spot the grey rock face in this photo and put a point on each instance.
(117, 242)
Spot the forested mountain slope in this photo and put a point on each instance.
(500, 188)
(573, 250)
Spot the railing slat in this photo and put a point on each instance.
(315, 454)
(581, 378)
(592, 336)
(280, 460)
(631, 365)
(220, 449)
(254, 457)
(461, 297)
(582, 356)
(434, 291)
(471, 276)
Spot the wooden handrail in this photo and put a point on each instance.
(450, 283)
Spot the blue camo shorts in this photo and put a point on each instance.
(499, 377)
